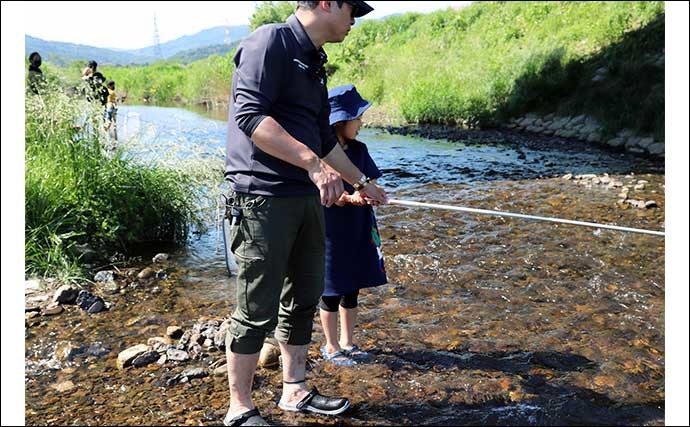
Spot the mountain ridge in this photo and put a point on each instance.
(63, 53)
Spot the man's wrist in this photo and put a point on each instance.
(361, 182)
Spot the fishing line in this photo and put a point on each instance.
(516, 215)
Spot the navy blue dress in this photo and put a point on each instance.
(353, 246)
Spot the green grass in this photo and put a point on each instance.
(79, 193)
(493, 60)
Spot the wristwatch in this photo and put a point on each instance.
(361, 182)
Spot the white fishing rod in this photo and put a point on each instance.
(516, 215)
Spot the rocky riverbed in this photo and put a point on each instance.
(486, 320)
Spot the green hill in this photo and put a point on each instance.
(493, 60)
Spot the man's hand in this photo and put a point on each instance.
(374, 194)
(328, 181)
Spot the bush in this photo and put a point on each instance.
(80, 193)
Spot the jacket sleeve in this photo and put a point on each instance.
(260, 64)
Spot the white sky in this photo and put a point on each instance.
(16, 21)
(130, 24)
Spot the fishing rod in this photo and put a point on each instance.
(516, 215)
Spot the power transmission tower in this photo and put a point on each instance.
(227, 39)
(156, 40)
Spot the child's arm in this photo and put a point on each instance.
(355, 199)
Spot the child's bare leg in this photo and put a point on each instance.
(329, 321)
(348, 318)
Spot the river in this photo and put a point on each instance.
(486, 320)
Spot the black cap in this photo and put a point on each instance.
(360, 8)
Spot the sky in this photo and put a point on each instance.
(132, 22)
(70, 20)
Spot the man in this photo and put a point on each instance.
(283, 163)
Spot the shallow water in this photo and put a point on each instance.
(485, 320)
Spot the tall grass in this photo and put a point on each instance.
(80, 192)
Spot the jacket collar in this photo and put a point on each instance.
(302, 36)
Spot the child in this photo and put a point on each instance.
(111, 110)
(353, 254)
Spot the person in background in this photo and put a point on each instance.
(36, 80)
(87, 73)
(353, 245)
(111, 110)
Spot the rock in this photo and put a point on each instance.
(66, 294)
(638, 187)
(146, 273)
(160, 344)
(145, 358)
(98, 350)
(32, 308)
(90, 302)
(96, 307)
(194, 373)
(577, 120)
(645, 142)
(594, 137)
(197, 338)
(126, 357)
(616, 142)
(63, 386)
(105, 276)
(66, 351)
(636, 203)
(650, 204)
(31, 314)
(187, 375)
(111, 287)
(52, 309)
(161, 257)
(177, 355)
(32, 285)
(221, 371)
(37, 299)
(656, 149)
(174, 332)
(632, 141)
(195, 351)
(268, 357)
(626, 133)
(567, 176)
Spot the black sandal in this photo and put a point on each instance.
(318, 404)
(249, 418)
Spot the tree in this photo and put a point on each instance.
(271, 12)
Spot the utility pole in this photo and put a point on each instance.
(156, 40)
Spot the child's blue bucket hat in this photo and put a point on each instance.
(346, 104)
